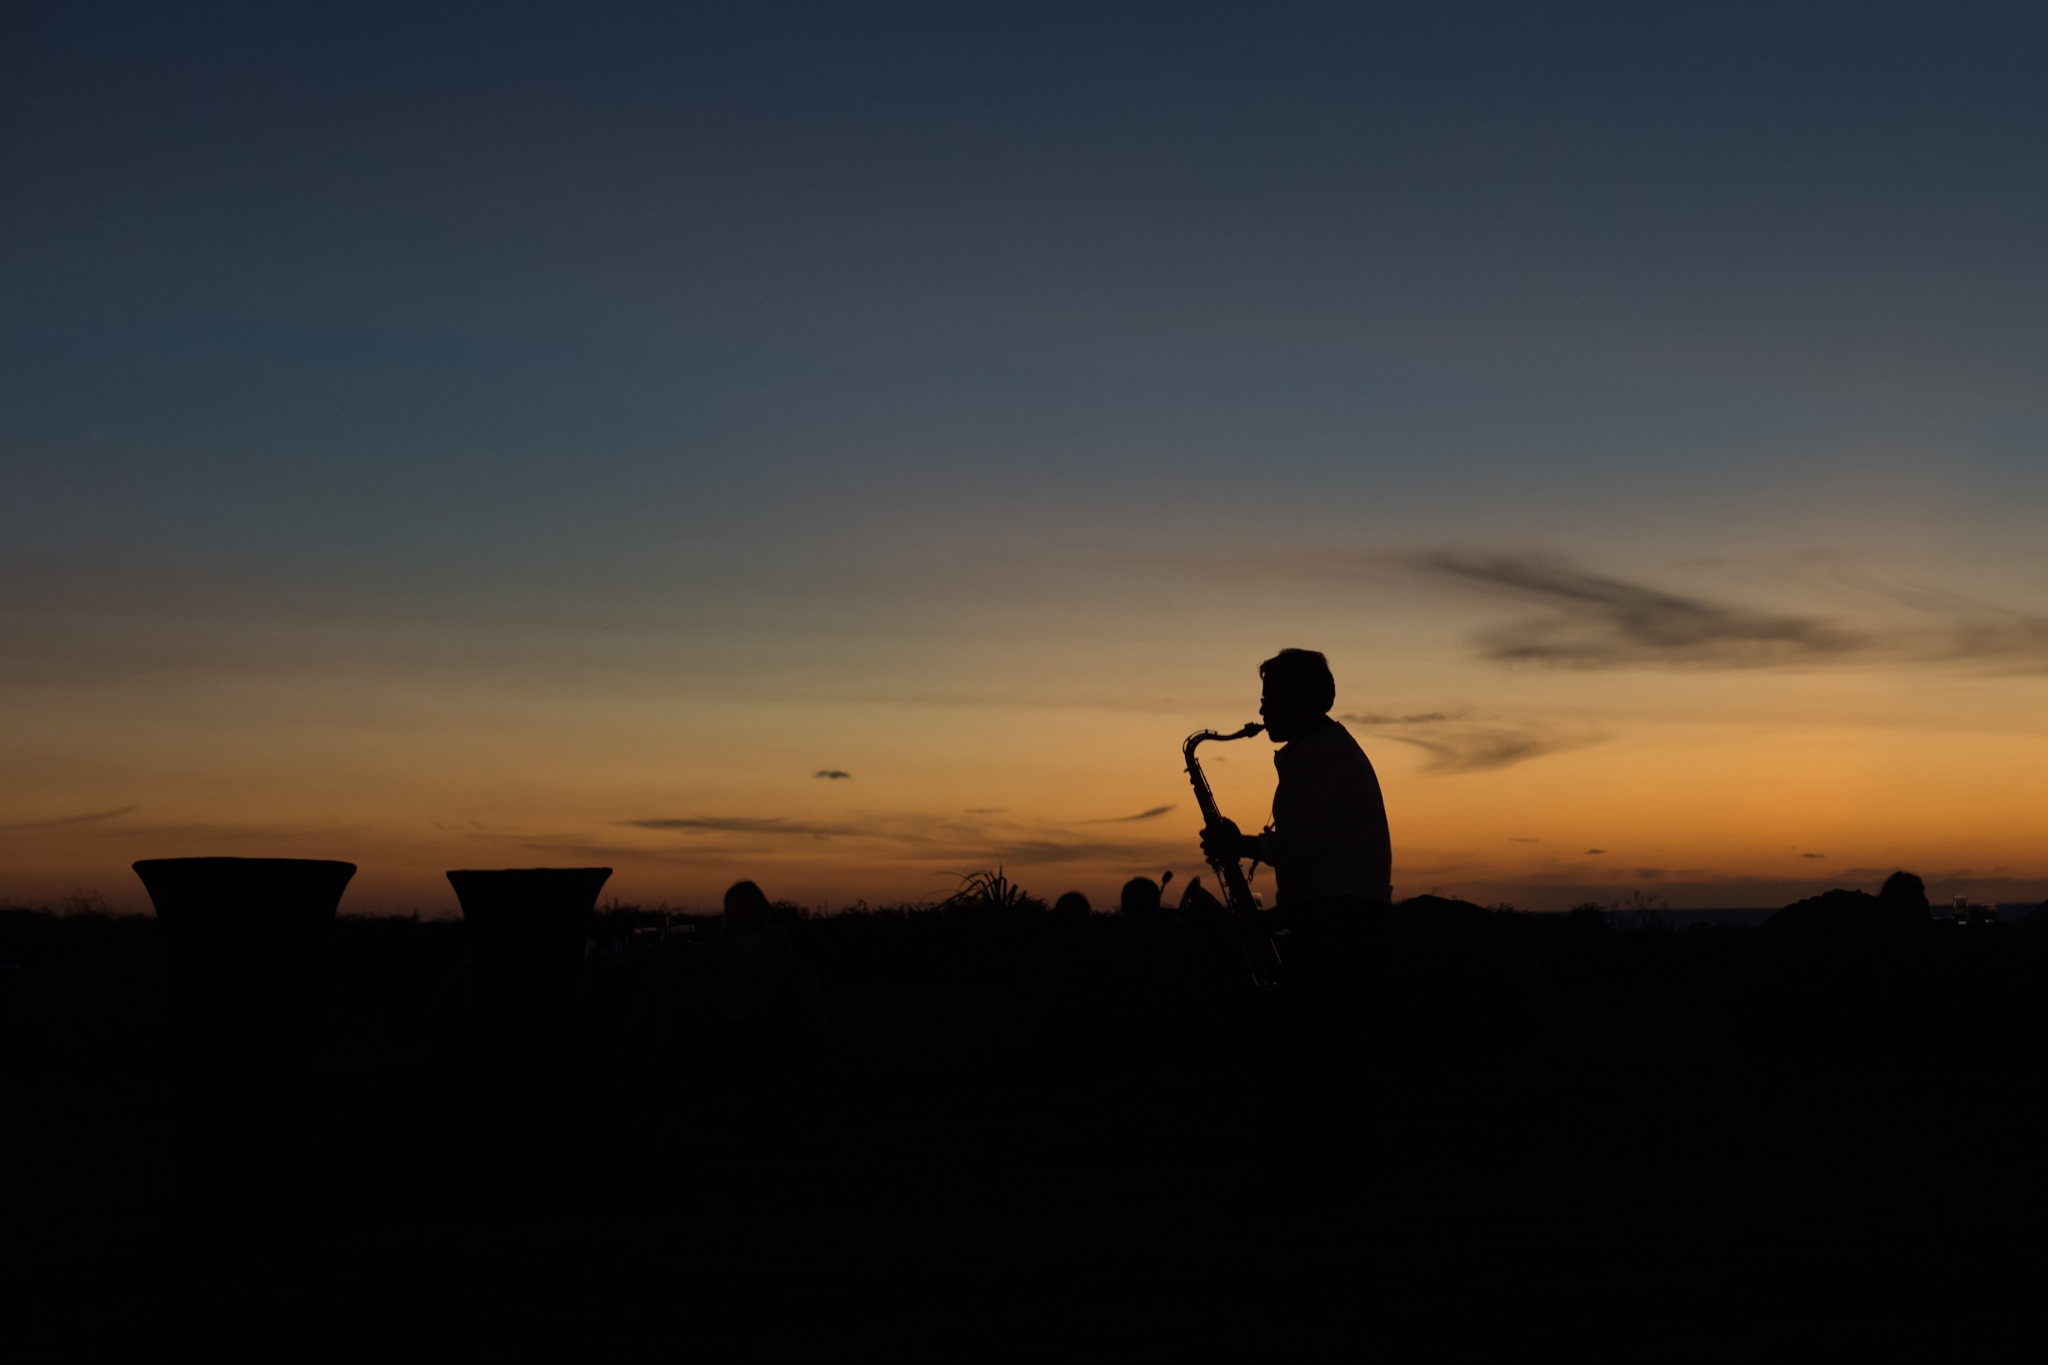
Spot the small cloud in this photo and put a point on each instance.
(986, 810)
(832, 774)
(1813, 855)
(1519, 839)
(1152, 814)
(1594, 852)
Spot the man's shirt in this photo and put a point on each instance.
(1329, 834)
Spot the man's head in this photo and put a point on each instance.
(1298, 691)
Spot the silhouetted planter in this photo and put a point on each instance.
(512, 1000)
(539, 916)
(247, 908)
(245, 942)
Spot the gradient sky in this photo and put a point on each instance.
(510, 435)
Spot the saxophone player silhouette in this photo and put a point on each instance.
(1328, 844)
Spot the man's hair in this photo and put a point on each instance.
(1301, 673)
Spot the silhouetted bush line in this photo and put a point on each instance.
(994, 1103)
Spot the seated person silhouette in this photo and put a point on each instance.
(747, 974)
(1328, 844)
(1067, 921)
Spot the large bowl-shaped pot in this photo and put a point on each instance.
(245, 907)
(542, 913)
(245, 939)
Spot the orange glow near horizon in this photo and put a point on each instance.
(1705, 812)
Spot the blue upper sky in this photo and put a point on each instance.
(407, 271)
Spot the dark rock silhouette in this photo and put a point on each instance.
(1841, 966)
(1450, 973)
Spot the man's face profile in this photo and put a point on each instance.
(1285, 714)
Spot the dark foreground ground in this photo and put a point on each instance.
(990, 1155)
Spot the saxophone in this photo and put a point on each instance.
(1241, 913)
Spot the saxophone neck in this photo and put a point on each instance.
(1187, 747)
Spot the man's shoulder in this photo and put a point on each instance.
(1329, 740)
(1333, 735)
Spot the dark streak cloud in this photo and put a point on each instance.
(87, 819)
(1592, 620)
(920, 837)
(741, 824)
(1059, 850)
(832, 774)
(1152, 814)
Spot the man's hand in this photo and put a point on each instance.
(1224, 840)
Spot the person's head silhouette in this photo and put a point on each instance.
(746, 910)
(1139, 900)
(1070, 913)
(1908, 894)
(1297, 692)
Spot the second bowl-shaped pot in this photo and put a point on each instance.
(535, 912)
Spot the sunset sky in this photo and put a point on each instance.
(511, 435)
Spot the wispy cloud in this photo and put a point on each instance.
(744, 824)
(1027, 850)
(92, 817)
(1594, 620)
(1152, 814)
(922, 838)
(832, 774)
(1462, 744)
